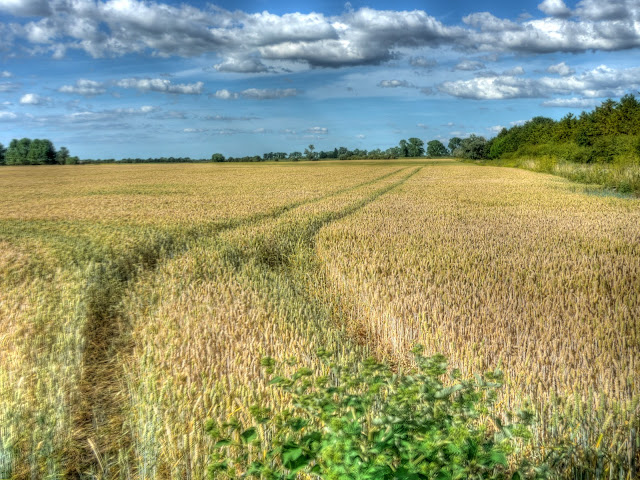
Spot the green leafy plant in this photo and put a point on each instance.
(368, 422)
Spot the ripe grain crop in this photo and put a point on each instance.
(504, 267)
(137, 300)
(79, 243)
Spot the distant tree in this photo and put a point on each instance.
(473, 148)
(2, 152)
(41, 152)
(18, 151)
(435, 148)
(403, 148)
(62, 157)
(415, 147)
(295, 156)
(217, 157)
(309, 152)
(454, 143)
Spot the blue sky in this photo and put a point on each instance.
(130, 78)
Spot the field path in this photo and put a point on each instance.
(101, 440)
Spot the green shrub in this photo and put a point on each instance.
(367, 422)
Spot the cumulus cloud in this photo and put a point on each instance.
(225, 94)
(241, 65)
(254, 42)
(257, 93)
(491, 88)
(561, 69)
(33, 99)
(269, 93)
(115, 115)
(9, 86)
(226, 118)
(26, 8)
(487, 22)
(5, 116)
(422, 62)
(5, 74)
(469, 65)
(555, 8)
(84, 87)
(570, 103)
(394, 84)
(160, 85)
(514, 71)
(597, 83)
(318, 130)
(611, 10)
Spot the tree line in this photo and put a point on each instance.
(410, 148)
(610, 133)
(35, 152)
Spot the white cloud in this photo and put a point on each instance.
(33, 99)
(225, 94)
(469, 65)
(6, 74)
(422, 62)
(570, 103)
(160, 85)
(561, 69)
(610, 10)
(394, 84)
(554, 8)
(4, 116)
(514, 71)
(597, 83)
(491, 88)
(495, 129)
(241, 65)
(257, 93)
(487, 22)
(318, 130)
(9, 86)
(26, 7)
(257, 42)
(84, 87)
(269, 93)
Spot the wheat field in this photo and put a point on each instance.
(137, 300)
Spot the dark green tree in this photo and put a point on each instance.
(41, 152)
(18, 151)
(62, 156)
(415, 147)
(217, 157)
(435, 148)
(2, 152)
(454, 143)
(472, 148)
(309, 152)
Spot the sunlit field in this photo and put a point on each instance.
(136, 301)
